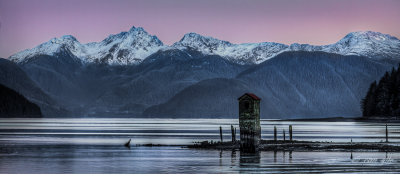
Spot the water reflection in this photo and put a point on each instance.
(249, 159)
(118, 159)
(220, 158)
(233, 157)
(96, 146)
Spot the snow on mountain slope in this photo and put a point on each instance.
(124, 48)
(248, 53)
(134, 46)
(120, 49)
(51, 47)
(370, 44)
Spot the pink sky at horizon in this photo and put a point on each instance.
(26, 24)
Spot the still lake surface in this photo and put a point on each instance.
(96, 146)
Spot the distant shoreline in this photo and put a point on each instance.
(329, 119)
(306, 146)
(343, 119)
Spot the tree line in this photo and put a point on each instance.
(383, 97)
(13, 104)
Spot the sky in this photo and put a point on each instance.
(28, 23)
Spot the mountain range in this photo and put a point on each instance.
(135, 45)
(133, 74)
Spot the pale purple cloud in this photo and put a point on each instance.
(27, 23)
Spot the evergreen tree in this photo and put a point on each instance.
(368, 104)
(383, 98)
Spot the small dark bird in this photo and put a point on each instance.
(128, 144)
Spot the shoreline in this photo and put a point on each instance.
(329, 119)
(342, 119)
(306, 146)
(265, 145)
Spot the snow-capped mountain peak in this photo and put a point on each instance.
(125, 48)
(50, 47)
(134, 45)
(67, 37)
(129, 47)
(365, 43)
(248, 53)
(205, 44)
(371, 35)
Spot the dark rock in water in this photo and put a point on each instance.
(128, 144)
(13, 104)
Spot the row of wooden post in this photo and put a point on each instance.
(233, 132)
(291, 134)
(284, 134)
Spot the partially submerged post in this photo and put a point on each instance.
(249, 122)
(233, 134)
(387, 134)
(290, 132)
(128, 144)
(275, 137)
(284, 135)
(220, 133)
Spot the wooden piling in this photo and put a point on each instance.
(275, 137)
(290, 133)
(284, 135)
(233, 134)
(220, 133)
(387, 134)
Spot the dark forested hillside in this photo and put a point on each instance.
(13, 104)
(13, 77)
(175, 83)
(292, 85)
(383, 97)
(103, 90)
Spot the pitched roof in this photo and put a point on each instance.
(253, 96)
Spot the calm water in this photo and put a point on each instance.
(96, 146)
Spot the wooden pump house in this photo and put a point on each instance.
(249, 122)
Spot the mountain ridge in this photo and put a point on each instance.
(297, 84)
(295, 80)
(133, 46)
(123, 48)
